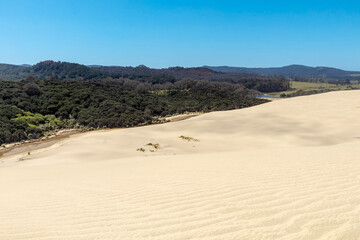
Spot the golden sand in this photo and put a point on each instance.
(287, 169)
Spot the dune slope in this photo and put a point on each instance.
(287, 169)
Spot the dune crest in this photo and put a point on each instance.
(287, 169)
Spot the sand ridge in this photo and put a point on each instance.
(288, 169)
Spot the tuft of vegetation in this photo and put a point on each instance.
(189, 138)
(154, 145)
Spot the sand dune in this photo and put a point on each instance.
(288, 169)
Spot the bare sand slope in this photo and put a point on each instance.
(288, 169)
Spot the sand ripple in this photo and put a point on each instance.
(302, 184)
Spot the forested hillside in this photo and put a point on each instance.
(50, 69)
(13, 72)
(64, 70)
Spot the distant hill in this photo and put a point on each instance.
(9, 68)
(300, 71)
(65, 70)
(12, 72)
(47, 69)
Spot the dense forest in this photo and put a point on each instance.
(31, 107)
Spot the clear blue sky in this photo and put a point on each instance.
(182, 33)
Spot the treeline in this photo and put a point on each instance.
(142, 70)
(31, 107)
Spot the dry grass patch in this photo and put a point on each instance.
(189, 138)
(154, 145)
(141, 150)
(151, 147)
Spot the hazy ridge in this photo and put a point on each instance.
(300, 71)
